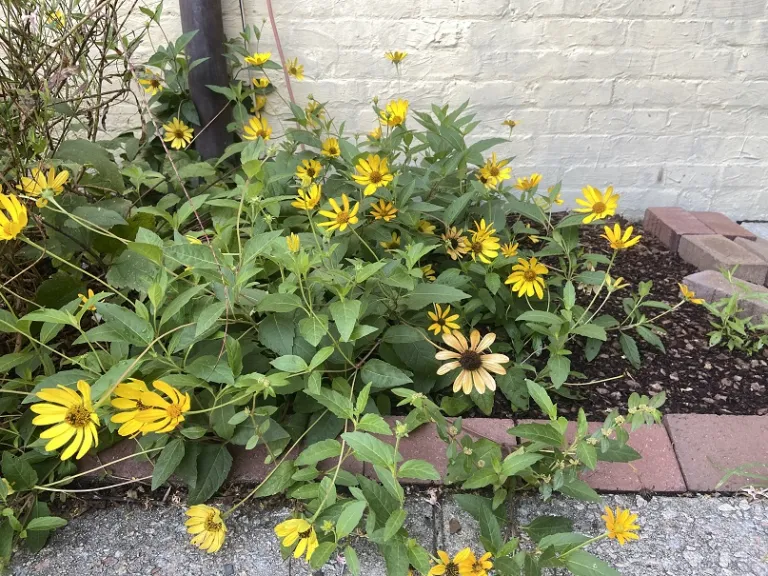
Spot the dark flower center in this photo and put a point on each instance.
(342, 217)
(494, 170)
(529, 275)
(598, 207)
(305, 534)
(311, 172)
(451, 569)
(470, 360)
(211, 525)
(477, 247)
(78, 416)
(375, 177)
(333, 151)
(173, 411)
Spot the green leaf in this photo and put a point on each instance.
(279, 303)
(481, 478)
(149, 251)
(394, 523)
(375, 424)
(587, 454)
(18, 472)
(402, 334)
(583, 563)
(543, 433)
(49, 315)
(345, 314)
(340, 405)
(126, 323)
(456, 207)
(579, 489)
(36, 540)
(350, 517)
(559, 368)
(563, 540)
(321, 356)
(424, 295)
(540, 317)
(321, 555)
(618, 452)
(169, 460)
(370, 449)
(99, 216)
(492, 282)
(569, 295)
(197, 170)
(314, 328)
(10, 361)
(277, 332)
(591, 331)
(547, 525)
(481, 510)
(290, 363)
(542, 399)
(208, 317)
(650, 336)
(319, 451)
(211, 369)
(418, 469)
(280, 480)
(46, 523)
(213, 465)
(527, 209)
(396, 557)
(353, 563)
(178, 303)
(629, 347)
(195, 256)
(382, 375)
(518, 462)
(85, 152)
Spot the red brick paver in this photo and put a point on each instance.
(715, 252)
(713, 286)
(758, 247)
(707, 446)
(138, 467)
(669, 224)
(721, 224)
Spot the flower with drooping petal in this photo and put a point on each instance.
(375, 134)
(13, 216)
(39, 182)
(259, 102)
(257, 128)
(621, 525)
(70, 416)
(494, 172)
(527, 277)
(152, 85)
(373, 173)
(529, 182)
(294, 69)
(393, 244)
(308, 170)
(428, 270)
(384, 211)
(128, 400)
(426, 227)
(298, 529)
(340, 218)
(309, 198)
(85, 297)
(597, 205)
(293, 242)
(442, 320)
(258, 59)
(331, 148)
(262, 82)
(456, 245)
(395, 113)
(470, 358)
(472, 566)
(208, 527)
(395, 56)
(163, 414)
(178, 134)
(509, 250)
(690, 295)
(619, 240)
(509, 124)
(447, 566)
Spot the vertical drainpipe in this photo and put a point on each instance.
(205, 17)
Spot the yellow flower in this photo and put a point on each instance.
(295, 69)
(206, 523)
(309, 198)
(257, 128)
(510, 123)
(258, 104)
(442, 320)
(152, 85)
(456, 245)
(128, 399)
(614, 284)
(162, 415)
(395, 113)
(331, 148)
(597, 205)
(40, 182)
(621, 525)
(429, 272)
(262, 82)
(71, 417)
(476, 566)
(509, 250)
(13, 216)
(690, 295)
(619, 241)
(298, 529)
(375, 134)
(56, 17)
(178, 134)
(482, 230)
(384, 211)
(475, 366)
(258, 59)
(395, 56)
(426, 227)
(85, 297)
(293, 242)
(532, 237)
(484, 246)
(392, 244)
(526, 277)
(494, 172)
(192, 240)
(308, 170)
(448, 567)
(529, 182)
(373, 173)
(340, 218)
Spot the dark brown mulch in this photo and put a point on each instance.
(697, 379)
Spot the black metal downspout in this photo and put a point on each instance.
(205, 17)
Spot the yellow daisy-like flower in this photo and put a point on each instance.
(259, 102)
(428, 270)
(128, 400)
(151, 85)
(208, 527)
(258, 59)
(309, 198)
(597, 205)
(298, 529)
(340, 218)
(476, 566)
(375, 134)
(442, 320)
(262, 82)
(395, 113)
(395, 56)
(308, 170)
(689, 294)
(619, 240)
(13, 216)
(509, 250)
(294, 242)
(70, 416)
(494, 172)
(426, 227)
(482, 230)
(257, 128)
(85, 297)
(295, 69)
(621, 525)
(475, 365)
(529, 182)
(527, 278)
(331, 148)
(509, 123)
(373, 173)
(448, 567)
(178, 134)
(456, 245)
(39, 182)
(384, 211)
(484, 246)
(162, 414)
(614, 284)
(393, 244)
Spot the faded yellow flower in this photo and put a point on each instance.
(340, 218)
(331, 148)
(207, 525)
(494, 172)
(619, 240)
(308, 170)
(13, 216)
(529, 182)
(301, 531)
(620, 525)
(259, 102)
(426, 227)
(309, 198)
(689, 294)
(258, 58)
(257, 128)
(373, 173)
(294, 69)
(85, 297)
(395, 113)
(70, 416)
(262, 82)
(456, 245)
(527, 277)
(384, 211)
(152, 85)
(509, 123)
(392, 244)
(178, 134)
(375, 134)
(597, 205)
(475, 365)
(442, 320)
(395, 56)
(428, 271)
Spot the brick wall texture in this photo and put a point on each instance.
(667, 100)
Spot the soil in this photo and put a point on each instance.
(697, 379)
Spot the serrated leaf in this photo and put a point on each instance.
(375, 424)
(18, 472)
(424, 295)
(213, 465)
(591, 331)
(481, 478)
(319, 451)
(128, 324)
(345, 314)
(314, 328)
(543, 433)
(368, 448)
(180, 302)
(540, 317)
(169, 460)
(583, 563)
(290, 363)
(418, 469)
(46, 523)
(629, 348)
(208, 317)
(279, 303)
(382, 375)
(515, 463)
(579, 489)
(547, 525)
(559, 368)
(394, 523)
(587, 454)
(349, 518)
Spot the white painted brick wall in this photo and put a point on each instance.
(667, 100)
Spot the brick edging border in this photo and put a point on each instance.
(686, 453)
